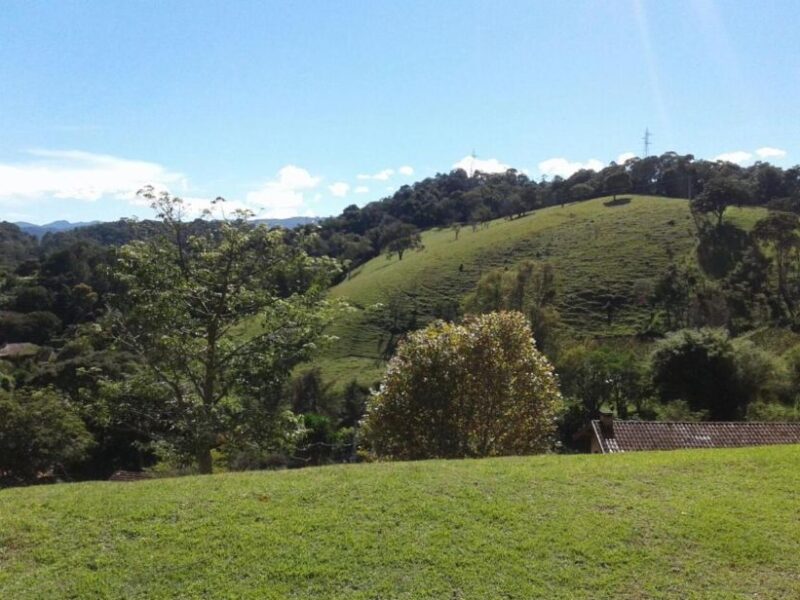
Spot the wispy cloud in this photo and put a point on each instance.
(767, 152)
(383, 175)
(84, 176)
(564, 168)
(738, 157)
(361, 189)
(339, 189)
(284, 196)
(625, 157)
(743, 157)
(386, 174)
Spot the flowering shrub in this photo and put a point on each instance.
(477, 389)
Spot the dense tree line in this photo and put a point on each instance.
(458, 199)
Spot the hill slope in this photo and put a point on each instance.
(712, 524)
(600, 253)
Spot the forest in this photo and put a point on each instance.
(176, 344)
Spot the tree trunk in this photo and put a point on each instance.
(204, 462)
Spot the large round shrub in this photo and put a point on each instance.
(477, 389)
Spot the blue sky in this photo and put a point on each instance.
(305, 107)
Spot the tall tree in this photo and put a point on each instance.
(220, 318)
(720, 193)
(779, 231)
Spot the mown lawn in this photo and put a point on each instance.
(601, 254)
(690, 524)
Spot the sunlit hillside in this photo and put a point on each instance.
(603, 255)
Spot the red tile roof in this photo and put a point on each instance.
(130, 476)
(632, 436)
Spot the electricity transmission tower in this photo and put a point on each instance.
(646, 140)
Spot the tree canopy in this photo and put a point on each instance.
(219, 318)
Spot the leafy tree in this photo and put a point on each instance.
(456, 227)
(354, 403)
(394, 319)
(188, 297)
(32, 298)
(747, 290)
(477, 389)
(35, 327)
(704, 368)
(720, 193)
(15, 246)
(310, 394)
(39, 433)
(581, 191)
(672, 293)
(779, 232)
(617, 182)
(400, 238)
(602, 376)
(531, 289)
(480, 217)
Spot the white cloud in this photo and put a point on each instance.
(383, 175)
(361, 189)
(625, 157)
(739, 157)
(767, 152)
(563, 167)
(339, 189)
(76, 175)
(406, 170)
(283, 196)
(471, 164)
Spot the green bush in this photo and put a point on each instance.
(477, 389)
(713, 373)
(602, 377)
(772, 411)
(39, 433)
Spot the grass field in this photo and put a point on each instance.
(688, 524)
(600, 253)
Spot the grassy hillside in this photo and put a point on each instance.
(600, 253)
(705, 524)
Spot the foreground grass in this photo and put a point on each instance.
(601, 255)
(704, 524)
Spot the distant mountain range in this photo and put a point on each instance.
(290, 222)
(56, 226)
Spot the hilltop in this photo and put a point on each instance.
(718, 523)
(602, 254)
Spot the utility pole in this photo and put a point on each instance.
(646, 140)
